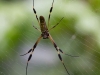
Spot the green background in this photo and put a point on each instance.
(77, 34)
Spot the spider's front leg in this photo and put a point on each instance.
(35, 13)
(50, 13)
(57, 48)
(31, 52)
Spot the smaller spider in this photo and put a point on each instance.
(45, 35)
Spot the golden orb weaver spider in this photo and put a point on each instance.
(45, 35)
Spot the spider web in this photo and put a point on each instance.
(77, 34)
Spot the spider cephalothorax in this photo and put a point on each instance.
(45, 35)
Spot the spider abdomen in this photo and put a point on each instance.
(43, 24)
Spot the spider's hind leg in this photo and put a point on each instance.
(57, 48)
(31, 52)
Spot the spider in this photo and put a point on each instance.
(45, 35)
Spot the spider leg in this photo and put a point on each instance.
(36, 28)
(56, 24)
(50, 13)
(57, 48)
(67, 54)
(61, 50)
(31, 50)
(35, 12)
(27, 52)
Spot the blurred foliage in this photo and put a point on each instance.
(95, 4)
(77, 34)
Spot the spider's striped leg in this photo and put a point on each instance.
(56, 24)
(32, 50)
(57, 48)
(62, 51)
(50, 13)
(29, 50)
(35, 12)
